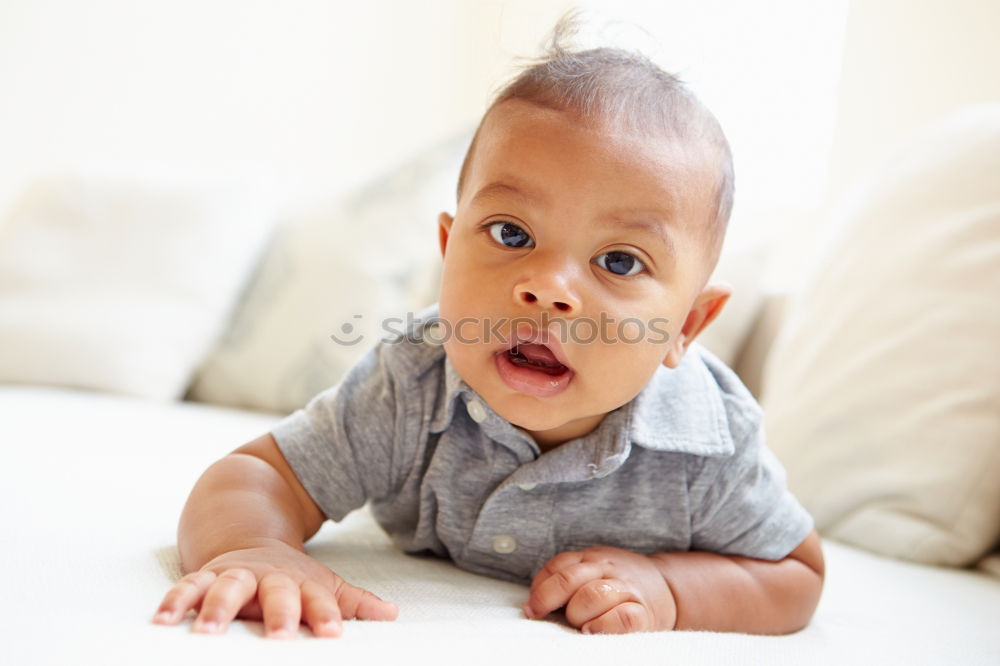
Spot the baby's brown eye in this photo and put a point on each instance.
(619, 263)
(511, 235)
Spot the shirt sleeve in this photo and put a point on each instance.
(741, 504)
(340, 445)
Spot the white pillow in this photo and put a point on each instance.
(882, 393)
(123, 283)
(353, 263)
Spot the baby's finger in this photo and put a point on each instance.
(595, 598)
(555, 563)
(281, 605)
(556, 590)
(320, 610)
(361, 604)
(183, 596)
(625, 618)
(224, 599)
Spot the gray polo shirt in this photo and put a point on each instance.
(682, 466)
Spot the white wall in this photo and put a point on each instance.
(320, 93)
(908, 63)
(323, 93)
(905, 64)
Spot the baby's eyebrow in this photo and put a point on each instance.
(501, 188)
(650, 225)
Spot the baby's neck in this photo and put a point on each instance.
(554, 437)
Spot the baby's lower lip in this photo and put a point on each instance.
(528, 381)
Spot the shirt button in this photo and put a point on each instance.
(476, 411)
(526, 486)
(504, 544)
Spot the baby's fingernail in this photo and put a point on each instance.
(163, 616)
(333, 626)
(527, 610)
(206, 627)
(586, 630)
(280, 632)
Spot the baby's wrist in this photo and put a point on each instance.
(665, 611)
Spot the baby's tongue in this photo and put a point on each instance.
(539, 354)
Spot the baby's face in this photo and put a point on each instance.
(571, 267)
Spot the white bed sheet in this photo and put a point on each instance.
(92, 486)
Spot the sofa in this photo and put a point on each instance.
(150, 324)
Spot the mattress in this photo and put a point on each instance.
(92, 486)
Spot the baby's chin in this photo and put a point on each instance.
(546, 423)
(534, 424)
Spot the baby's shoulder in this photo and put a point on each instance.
(743, 413)
(736, 396)
(699, 407)
(412, 350)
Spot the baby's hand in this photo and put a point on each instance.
(273, 582)
(605, 590)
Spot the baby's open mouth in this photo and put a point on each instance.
(536, 357)
(534, 369)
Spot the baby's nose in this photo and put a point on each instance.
(548, 288)
(561, 305)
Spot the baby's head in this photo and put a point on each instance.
(592, 206)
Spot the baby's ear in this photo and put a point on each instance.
(444, 228)
(706, 307)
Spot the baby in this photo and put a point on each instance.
(551, 421)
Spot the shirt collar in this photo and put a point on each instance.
(454, 386)
(680, 410)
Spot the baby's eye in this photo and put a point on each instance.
(511, 235)
(619, 263)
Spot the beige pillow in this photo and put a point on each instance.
(882, 393)
(744, 253)
(990, 564)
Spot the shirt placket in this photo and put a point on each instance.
(513, 527)
(513, 530)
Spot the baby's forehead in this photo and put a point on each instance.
(515, 132)
(516, 114)
(515, 121)
(507, 120)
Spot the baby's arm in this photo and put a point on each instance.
(609, 590)
(241, 538)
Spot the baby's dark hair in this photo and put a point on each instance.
(629, 92)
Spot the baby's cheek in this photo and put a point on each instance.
(621, 370)
(631, 331)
